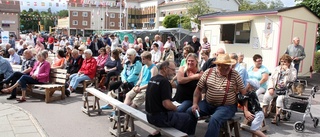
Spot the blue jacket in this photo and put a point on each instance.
(5, 67)
(134, 72)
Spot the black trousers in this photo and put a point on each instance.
(13, 78)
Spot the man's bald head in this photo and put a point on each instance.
(219, 51)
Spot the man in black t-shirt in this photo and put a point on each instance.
(160, 110)
(195, 44)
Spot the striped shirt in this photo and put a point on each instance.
(216, 86)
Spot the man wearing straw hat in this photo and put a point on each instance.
(221, 84)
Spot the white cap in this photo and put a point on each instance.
(70, 47)
(167, 45)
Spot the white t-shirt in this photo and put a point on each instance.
(114, 43)
(156, 56)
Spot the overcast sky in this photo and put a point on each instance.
(54, 8)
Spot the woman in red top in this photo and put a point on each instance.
(86, 72)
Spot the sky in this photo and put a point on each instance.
(286, 3)
(54, 8)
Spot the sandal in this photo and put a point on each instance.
(20, 100)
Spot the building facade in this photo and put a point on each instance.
(9, 16)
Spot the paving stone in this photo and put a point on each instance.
(7, 134)
(28, 135)
(22, 123)
(5, 128)
(7, 112)
(24, 129)
(4, 120)
(17, 117)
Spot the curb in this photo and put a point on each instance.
(34, 121)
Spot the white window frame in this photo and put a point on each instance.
(112, 24)
(75, 22)
(112, 15)
(240, 34)
(84, 14)
(74, 13)
(120, 15)
(84, 23)
(120, 23)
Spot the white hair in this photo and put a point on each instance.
(296, 38)
(136, 46)
(131, 45)
(194, 36)
(145, 38)
(11, 50)
(88, 51)
(131, 52)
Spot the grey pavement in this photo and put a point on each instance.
(65, 119)
(16, 122)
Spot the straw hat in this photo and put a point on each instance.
(225, 59)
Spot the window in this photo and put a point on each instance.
(74, 13)
(84, 23)
(120, 15)
(120, 23)
(111, 24)
(84, 14)
(112, 15)
(236, 33)
(5, 25)
(74, 22)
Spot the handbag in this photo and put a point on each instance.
(282, 90)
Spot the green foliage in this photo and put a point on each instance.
(29, 19)
(196, 9)
(63, 13)
(171, 21)
(260, 5)
(317, 62)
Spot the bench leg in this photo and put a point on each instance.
(47, 95)
(63, 93)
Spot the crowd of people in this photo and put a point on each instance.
(204, 86)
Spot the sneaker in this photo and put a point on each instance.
(12, 98)
(67, 93)
(106, 107)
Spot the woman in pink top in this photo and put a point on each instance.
(39, 46)
(102, 58)
(40, 38)
(39, 74)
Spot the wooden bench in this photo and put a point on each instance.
(57, 83)
(131, 112)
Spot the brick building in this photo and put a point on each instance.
(9, 16)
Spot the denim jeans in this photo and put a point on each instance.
(178, 120)
(26, 79)
(219, 115)
(184, 106)
(13, 79)
(75, 79)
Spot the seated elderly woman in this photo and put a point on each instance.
(188, 78)
(130, 72)
(39, 74)
(282, 74)
(86, 72)
(14, 58)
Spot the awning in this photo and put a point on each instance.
(226, 22)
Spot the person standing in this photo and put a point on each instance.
(160, 110)
(95, 45)
(51, 42)
(195, 44)
(296, 52)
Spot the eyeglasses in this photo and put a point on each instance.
(80, 50)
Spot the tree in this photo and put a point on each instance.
(276, 4)
(196, 9)
(171, 21)
(245, 5)
(63, 13)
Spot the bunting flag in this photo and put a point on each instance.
(97, 4)
(98, 12)
(21, 3)
(0, 1)
(43, 4)
(35, 4)
(50, 4)
(8, 2)
(28, 3)
(57, 4)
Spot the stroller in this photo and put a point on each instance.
(298, 104)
